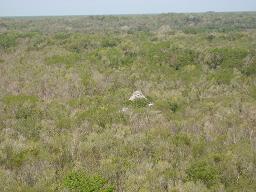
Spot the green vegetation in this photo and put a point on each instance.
(7, 40)
(203, 172)
(66, 122)
(67, 59)
(77, 181)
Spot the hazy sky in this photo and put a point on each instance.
(98, 7)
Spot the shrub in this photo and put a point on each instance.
(68, 60)
(64, 123)
(27, 115)
(253, 92)
(223, 76)
(101, 115)
(60, 114)
(111, 57)
(109, 42)
(193, 30)
(173, 56)
(181, 139)
(29, 127)
(203, 171)
(173, 106)
(15, 159)
(78, 181)
(213, 60)
(195, 187)
(199, 148)
(78, 42)
(250, 69)
(182, 57)
(227, 57)
(7, 40)
(139, 103)
(19, 99)
(38, 41)
(22, 106)
(210, 37)
(62, 35)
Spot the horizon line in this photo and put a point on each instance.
(125, 14)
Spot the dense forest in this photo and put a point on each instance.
(67, 124)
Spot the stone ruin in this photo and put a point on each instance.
(137, 95)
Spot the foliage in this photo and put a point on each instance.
(223, 76)
(228, 57)
(173, 106)
(7, 40)
(25, 110)
(139, 103)
(67, 60)
(22, 106)
(204, 172)
(81, 182)
(65, 84)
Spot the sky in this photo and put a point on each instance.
(112, 7)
